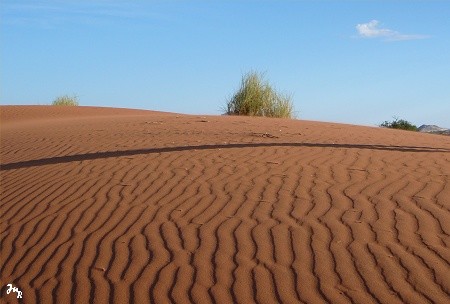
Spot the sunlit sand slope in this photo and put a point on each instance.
(113, 206)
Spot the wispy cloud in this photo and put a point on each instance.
(372, 29)
(53, 13)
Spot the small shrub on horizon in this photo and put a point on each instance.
(399, 124)
(66, 100)
(256, 97)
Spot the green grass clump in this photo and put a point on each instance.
(399, 124)
(256, 97)
(66, 101)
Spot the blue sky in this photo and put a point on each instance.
(359, 62)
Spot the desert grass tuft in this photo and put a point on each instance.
(66, 101)
(256, 97)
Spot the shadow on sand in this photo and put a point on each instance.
(108, 154)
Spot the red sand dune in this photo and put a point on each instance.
(108, 205)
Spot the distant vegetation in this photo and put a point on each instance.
(399, 124)
(256, 97)
(66, 101)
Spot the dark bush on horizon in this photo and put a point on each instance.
(256, 97)
(399, 124)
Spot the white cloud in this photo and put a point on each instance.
(372, 30)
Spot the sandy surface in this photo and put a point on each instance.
(108, 205)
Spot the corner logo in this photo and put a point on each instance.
(14, 289)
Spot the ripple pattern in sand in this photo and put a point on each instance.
(243, 225)
(103, 207)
